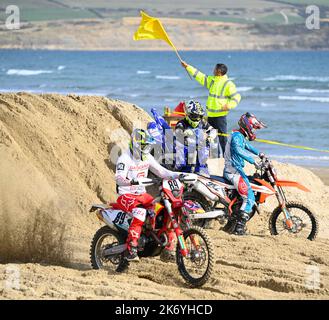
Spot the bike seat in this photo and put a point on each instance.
(115, 206)
(221, 179)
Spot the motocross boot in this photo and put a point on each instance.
(240, 228)
(231, 223)
(123, 266)
(134, 232)
(132, 254)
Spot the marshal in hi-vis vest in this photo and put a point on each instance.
(222, 91)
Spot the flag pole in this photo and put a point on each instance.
(178, 55)
(180, 59)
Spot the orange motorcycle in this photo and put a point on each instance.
(220, 200)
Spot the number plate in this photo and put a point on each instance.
(172, 184)
(117, 217)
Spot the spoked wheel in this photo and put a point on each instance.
(196, 268)
(203, 203)
(105, 238)
(304, 222)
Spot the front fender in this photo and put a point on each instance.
(285, 183)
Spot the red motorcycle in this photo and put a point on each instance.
(194, 252)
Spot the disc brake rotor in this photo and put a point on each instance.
(297, 225)
(198, 256)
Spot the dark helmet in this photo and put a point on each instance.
(194, 113)
(248, 124)
(141, 143)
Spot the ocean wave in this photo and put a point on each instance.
(265, 104)
(296, 78)
(25, 72)
(301, 90)
(59, 68)
(319, 158)
(143, 72)
(260, 89)
(304, 98)
(244, 89)
(134, 95)
(167, 77)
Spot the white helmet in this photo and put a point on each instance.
(194, 113)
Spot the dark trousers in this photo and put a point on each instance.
(220, 123)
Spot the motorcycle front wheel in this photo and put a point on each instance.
(197, 267)
(304, 222)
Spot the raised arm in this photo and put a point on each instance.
(199, 76)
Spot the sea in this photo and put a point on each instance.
(289, 91)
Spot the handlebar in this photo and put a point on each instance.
(187, 177)
(145, 181)
(184, 178)
(265, 162)
(268, 167)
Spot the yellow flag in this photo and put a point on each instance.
(150, 29)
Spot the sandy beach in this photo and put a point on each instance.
(55, 162)
(322, 173)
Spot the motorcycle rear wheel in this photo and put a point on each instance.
(276, 221)
(98, 261)
(203, 256)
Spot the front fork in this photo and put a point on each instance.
(285, 211)
(179, 233)
(188, 224)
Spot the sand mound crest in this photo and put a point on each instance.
(55, 149)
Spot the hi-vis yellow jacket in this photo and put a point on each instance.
(222, 91)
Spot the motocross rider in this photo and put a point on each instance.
(236, 152)
(132, 165)
(189, 129)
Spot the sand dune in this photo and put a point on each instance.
(55, 162)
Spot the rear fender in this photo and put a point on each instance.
(95, 207)
(284, 183)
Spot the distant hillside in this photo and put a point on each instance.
(193, 25)
(240, 11)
